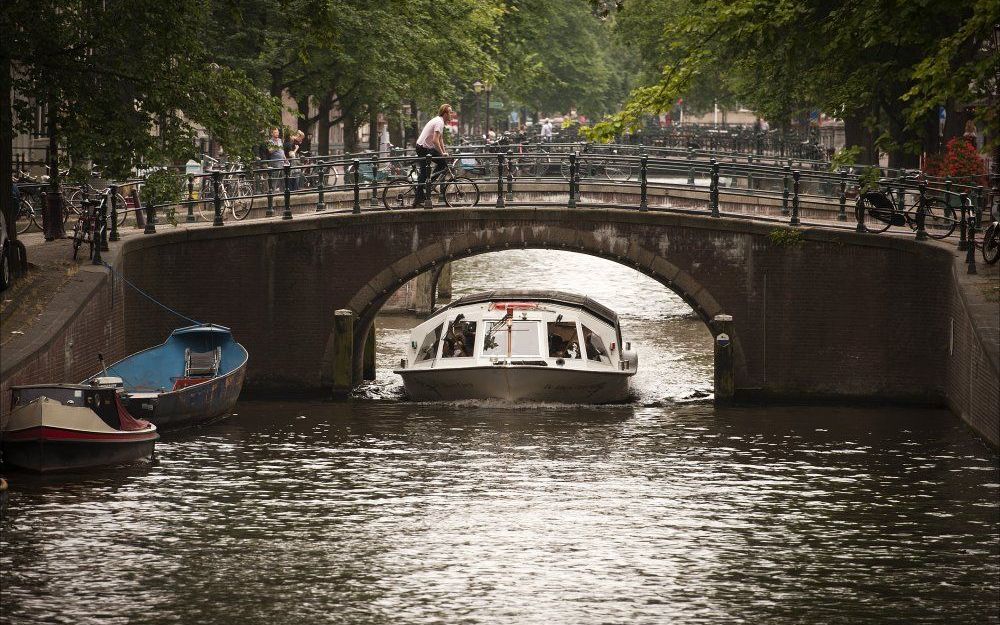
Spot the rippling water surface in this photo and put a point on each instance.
(662, 510)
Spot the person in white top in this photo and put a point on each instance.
(431, 142)
(547, 131)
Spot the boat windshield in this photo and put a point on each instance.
(460, 339)
(511, 338)
(594, 345)
(428, 349)
(562, 340)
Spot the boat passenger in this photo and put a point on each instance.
(557, 347)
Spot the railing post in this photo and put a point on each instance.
(356, 166)
(921, 215)
(572, 179)
(150, 219)
(842, 215)
(786, 189)
(690, 165)
(217, 188)
(970, 254)
(500, 164)
(270, 192)
(963, 241)
(980, 205)
(287, 176)
(947, 194)
(190, 202)
(320, 203)
(510, 180)
(373, 200)
(750, 172)
(794, 221)
(428, 186)
(114, 213)
(713, 189)
(643, 172)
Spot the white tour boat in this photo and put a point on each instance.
(533, 345)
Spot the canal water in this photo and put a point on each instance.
(378, 510)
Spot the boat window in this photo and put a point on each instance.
(518, 339)
(428, 349)
(594, 345)
(460, 339)
(562, 340)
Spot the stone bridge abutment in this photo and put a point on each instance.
(817, 314)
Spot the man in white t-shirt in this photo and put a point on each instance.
(547, 131)
(431, 142)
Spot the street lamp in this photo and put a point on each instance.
(478, 87)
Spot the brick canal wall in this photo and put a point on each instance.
(85, 318)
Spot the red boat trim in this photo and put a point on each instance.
(45, 433)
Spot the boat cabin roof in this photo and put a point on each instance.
(539, 295)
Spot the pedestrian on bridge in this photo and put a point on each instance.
(431, 142)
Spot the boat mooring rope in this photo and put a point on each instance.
(150, 297)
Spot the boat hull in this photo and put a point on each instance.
(189, 406)
(45, 451)
(516, 383)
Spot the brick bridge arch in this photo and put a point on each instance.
(811, 312)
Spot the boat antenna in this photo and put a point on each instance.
(100, 359)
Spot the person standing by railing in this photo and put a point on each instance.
(291, 147)
(547, 131)
(431, 142)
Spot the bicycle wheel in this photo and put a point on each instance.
(71, 197)
(991, 243)
(461, 192)
(25, 216)
(243, 201)
(398, 193)
(121, 207)
(939, 220)
(618, 171)
(206, 200)
(875, 211)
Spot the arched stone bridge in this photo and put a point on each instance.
(819, 313)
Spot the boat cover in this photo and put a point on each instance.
(540, 295)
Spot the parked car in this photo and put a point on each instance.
(5, 245)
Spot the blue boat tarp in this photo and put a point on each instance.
(158, 368)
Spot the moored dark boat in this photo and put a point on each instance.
(60, 427)
(194, 377)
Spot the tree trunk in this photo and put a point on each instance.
(397, 132)
(373, 127)
(52, 217)
(350, 133)
(413, 134)
(855, 134)
(954, 123)
(7, 152)
(302, 123)
(323, 126)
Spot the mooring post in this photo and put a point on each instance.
(373, 200)
(963, 241)
(150, 219)
(356, 168)
(103, 216)
(270, 192)
(113, 197)
(643, 172)
(921, 214)
(217, 188)
(99, 236)
(190, 202)
(794, 221)
(573, 166)
(500, 197)
(970, 254)
(368, 367)
(287, 175)
(786, 188)
(320, 203)
(842, 215)
(713, 189)
(724, 383)
(343, 352)
(429, 186)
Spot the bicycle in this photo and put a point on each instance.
(235, 190)
(25, 216)
(878, 210)
(990, 244)
(591, 166)
(457, 191)
(87, 229)
(78, 193)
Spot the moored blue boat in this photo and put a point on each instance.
(192, 378)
